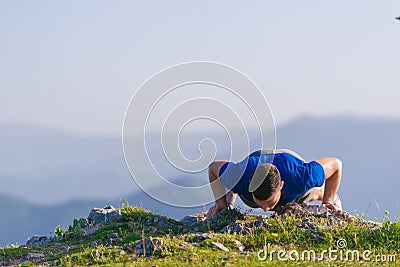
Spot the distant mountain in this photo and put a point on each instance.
(53, 168)
(48, 166)
(20, 219)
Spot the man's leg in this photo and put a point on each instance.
(311, 195)
(283, 150)
(275, 151)
(317, 193)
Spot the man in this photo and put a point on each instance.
(267, 179)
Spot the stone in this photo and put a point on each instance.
(185, 246)
(204, 236)
(333, 218)
(89, 230)
(308, 223)
(38, 241)
(120, 252)
(343, 215)
(262, 221)
(34, 256)
(219, 246)
(235, 227)
(191, 220)
(291, 208)
(104, 216)
(304, 209)
(259, 223)
(148, 246)
(98, 255)
(152, 229)
(164, 223)
(114, 241)
(239, 246)
(59, 238)
(195, 230)
(113, 235)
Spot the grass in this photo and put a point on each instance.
(285, 235)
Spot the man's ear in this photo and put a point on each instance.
(281, 185)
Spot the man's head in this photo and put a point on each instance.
(268, 192)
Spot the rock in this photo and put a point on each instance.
(262, 221)
(291, 208)
(38, 241)
(34, 256)
(164, 223)
(191, 220)
(103, 216)
(114, 241)
(235, 227)
(343, 215)
(308, 223)
(185, 246)
(59, 238)
(204, 236)
(259, 223)
(219, 246)
(195, 230)
(120, 252)
(98, 255)
(89, 230)
(304, 209)
(152, 229)
(309, 212)
(113, 235)
(239, 246)
(148, 246)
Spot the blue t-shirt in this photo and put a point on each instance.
(298, 176)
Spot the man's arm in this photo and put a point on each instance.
(217, 187)
(333, 175)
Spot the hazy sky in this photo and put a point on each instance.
(74, 65)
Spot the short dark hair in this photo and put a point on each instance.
(271, 182)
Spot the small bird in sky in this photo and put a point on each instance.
(398, 18)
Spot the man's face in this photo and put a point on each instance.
(270, 203)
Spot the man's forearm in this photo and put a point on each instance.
(333, 174)
(331, 188)
(217, 187)
(219, 192)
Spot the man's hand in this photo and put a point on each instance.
(214, 211)
(329, 206)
